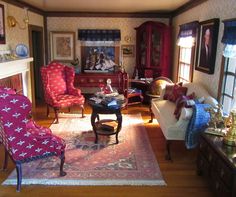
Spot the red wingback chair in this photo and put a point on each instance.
(22, 138)
(59, 90)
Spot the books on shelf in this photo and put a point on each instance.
(109, 125)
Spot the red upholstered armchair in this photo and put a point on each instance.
(22, 138)
(59, 90)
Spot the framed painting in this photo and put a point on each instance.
(127, 50)
(62, 46)
(207, 45)
(2, 25)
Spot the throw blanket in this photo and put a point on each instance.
(197, 124)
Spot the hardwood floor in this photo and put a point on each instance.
(180, 175)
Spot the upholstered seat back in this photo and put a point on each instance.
(54, 78)
(14, 111)
(59, 90)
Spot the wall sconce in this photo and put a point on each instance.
(12, 20)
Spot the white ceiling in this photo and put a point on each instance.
(125, 6)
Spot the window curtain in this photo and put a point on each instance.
(187, 34)
(99, 35)
(229, 39)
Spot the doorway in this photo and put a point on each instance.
(36, 48)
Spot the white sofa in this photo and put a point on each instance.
(163, 111)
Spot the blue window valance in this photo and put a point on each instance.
(188, 29)
(229, 36)
(99, 34)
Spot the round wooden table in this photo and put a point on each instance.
(99, 108)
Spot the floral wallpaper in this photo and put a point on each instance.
(16, 35)
(126, 26)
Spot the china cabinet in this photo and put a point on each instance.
(152, 50)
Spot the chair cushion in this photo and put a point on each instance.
(66, 100)
(38, 131)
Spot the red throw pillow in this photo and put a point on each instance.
(182, 102)
(177, 92)
(169, 90)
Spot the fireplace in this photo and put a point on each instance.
(17, 74)
(14, 82)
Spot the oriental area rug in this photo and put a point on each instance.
(131, 162)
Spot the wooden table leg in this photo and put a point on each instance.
(93, 118)
(119, 120)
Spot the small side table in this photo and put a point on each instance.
(151, 96)
(98, 108)
(142, 85)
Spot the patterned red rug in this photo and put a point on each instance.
(131, 162)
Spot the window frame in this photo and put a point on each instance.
(193, 52)
(222, 80)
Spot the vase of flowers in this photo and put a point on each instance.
(75, 63)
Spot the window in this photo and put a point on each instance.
(228, 90)
(185, 66)
(186, 41)
(227, 87)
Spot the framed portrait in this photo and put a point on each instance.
(207, 45)
(62, 46)
(127, 50)
(2, 25)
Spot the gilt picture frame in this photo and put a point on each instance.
(207, 45)
(127, 50)
(2, 25)
(62, 46)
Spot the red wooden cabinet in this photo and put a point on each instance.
(88, 81)
(153, 49)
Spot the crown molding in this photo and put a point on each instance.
(187, 6)
(108, 14)
(23, 5)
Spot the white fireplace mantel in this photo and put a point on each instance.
(10, 68)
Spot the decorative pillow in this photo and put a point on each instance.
(177, 92)
(212, 101)
(183, 101)
(169, 90)
(186, 113)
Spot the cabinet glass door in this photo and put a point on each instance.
(156, 48)
(143, 49)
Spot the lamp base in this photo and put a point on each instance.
(229, 141)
